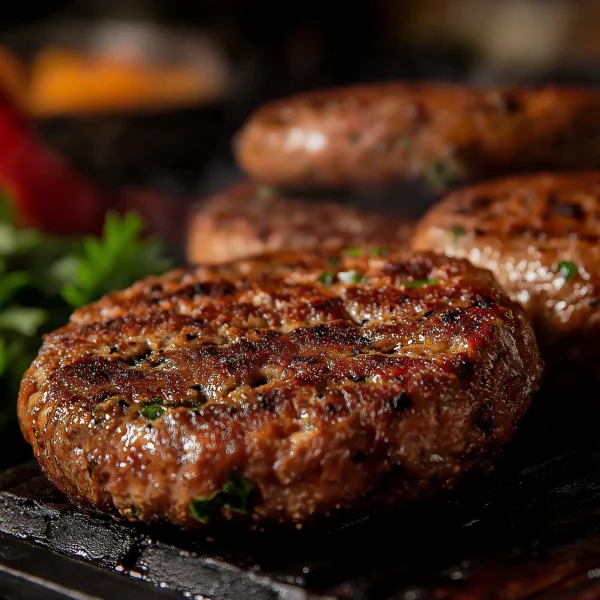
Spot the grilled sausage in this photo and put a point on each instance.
(539, 234)
(250, 219)
(287, 387)
(442, 133)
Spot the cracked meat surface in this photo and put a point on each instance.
(442, 133)
(251, 219)
(333, 384)
(540, 235)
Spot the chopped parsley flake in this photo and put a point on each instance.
(440, 174)
(236, 494)
(349, 277)
(265, 191)
(417, 283)
(334, 261)
(567, 269)
(327, 277)
(152, 411)
(354, 252)
(457, 232)
(379, 251)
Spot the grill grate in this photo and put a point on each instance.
(528, 532)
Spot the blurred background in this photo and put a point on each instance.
(149, 92)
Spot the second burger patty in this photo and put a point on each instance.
(250, 219)
(540, 235)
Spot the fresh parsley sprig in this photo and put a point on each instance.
(112, 262)
(44, 277)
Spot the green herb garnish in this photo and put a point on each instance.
(457, 232)
(237, 491)
(354, 252)
(417, 283)
(327, 278)
(44, 276)
(567, 269)
(236, 494)
(265, 191)
(379, 251)
(349, 277)
(152, 411)
(120, 257)
(440, 174)
(334, 261)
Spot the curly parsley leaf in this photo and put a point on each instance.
(43, 277)
(112, 262)
(25, 320)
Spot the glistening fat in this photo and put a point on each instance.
(291, 387)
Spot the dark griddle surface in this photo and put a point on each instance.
(527, 532)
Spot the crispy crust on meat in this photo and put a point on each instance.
(522, 228)
(251, 219)
(329, 397)
(444, 133)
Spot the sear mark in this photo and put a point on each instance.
(359, 457)
(401, 402)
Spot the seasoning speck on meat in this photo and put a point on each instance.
(258, 390)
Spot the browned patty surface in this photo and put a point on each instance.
(250, 219)
(445, 133)
(540, 235)
(292, 386)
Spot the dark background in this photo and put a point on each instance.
(278, 48)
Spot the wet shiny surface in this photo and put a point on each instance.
(336, 382)
(540, 236)
(529, 531)
(444, 134)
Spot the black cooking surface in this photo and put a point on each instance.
(529, 531)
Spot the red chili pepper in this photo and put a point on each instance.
(48, 194)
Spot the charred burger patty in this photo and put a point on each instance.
(287, 387)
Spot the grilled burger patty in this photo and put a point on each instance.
(286, 387)
(250, 219)
(539, 234)
(440, 132)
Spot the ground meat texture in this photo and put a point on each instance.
(539, 234)
(250, 219)
(283, 388)
(442, 133)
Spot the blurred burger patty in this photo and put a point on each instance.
(250, 219)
